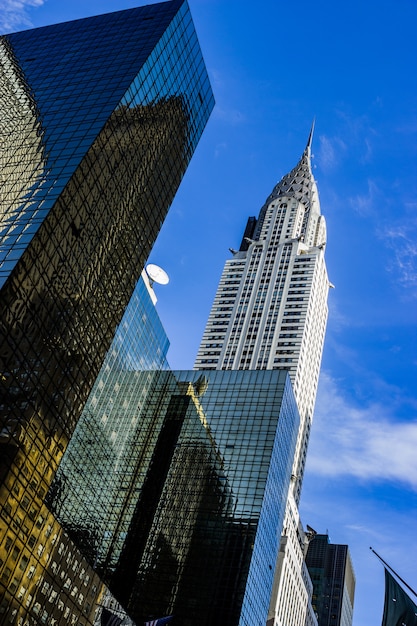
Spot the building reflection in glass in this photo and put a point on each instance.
(196, 466)
(107, 112)
(22, 157)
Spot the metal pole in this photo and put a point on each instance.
(394, 572)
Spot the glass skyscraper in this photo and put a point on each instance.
(94, 491)
(101, 117)
(175, 486)
(333, 578)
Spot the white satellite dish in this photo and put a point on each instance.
(157, 274)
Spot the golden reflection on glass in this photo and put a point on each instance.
(22, 160)
(85, 194)
(61, 306)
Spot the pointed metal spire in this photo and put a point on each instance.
(310, 137)
(299, 182)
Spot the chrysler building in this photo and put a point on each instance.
(270, 309)
(270, 312)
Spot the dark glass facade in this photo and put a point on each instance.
(179, 499)
(94, 492)
(331, 572)
(102, 118)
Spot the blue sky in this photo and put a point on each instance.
(274, 66)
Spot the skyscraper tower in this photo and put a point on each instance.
(270, 312)
(333, 578)
(104, 116)
(270, 309)
(99, 120)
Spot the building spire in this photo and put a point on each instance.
(299, 183)
(310, 137)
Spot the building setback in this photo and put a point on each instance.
(102, 115)
(333, 578)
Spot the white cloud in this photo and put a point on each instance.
(361, 441)
(401, 239)
(14, 15)
(330, 152)
(217, 78)
(367, 151)
(220, 148)
(359, 136)
(366, 204)
(354, 142)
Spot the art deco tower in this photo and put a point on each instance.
(270, 312)
(270, 309)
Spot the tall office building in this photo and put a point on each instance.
(175, 484)
(270, 308)
(100, 118)
(94, 488)
(270, 312)
(333, 578)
